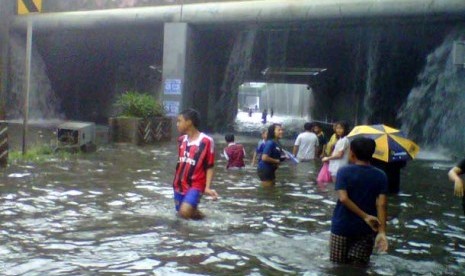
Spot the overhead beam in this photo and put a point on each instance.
(245, 11)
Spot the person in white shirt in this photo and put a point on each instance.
(306, 144)
(340, 156)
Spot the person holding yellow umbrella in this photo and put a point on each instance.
(392, 151)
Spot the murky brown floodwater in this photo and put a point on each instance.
(111, 213)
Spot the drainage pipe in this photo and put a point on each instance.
(245, 11)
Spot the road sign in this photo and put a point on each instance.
(29, 6)
(171, 108)
(173, 87)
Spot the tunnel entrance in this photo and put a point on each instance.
(262, 103)
(285, 99)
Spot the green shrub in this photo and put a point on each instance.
(38, 154)
(142, 105)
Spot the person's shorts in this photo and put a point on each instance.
(191, 197)
(352, 250)
(266, 174)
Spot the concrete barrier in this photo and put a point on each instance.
(139, 131)
(3, 144)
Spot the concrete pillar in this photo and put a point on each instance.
(175, 60)
(6, 13)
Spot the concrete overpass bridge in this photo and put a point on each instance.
(194, 53)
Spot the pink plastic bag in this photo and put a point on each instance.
(324, 176)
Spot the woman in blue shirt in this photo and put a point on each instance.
(271, 157)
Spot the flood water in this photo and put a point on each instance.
(111, 213)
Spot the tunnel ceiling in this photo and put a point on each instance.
(102, 60)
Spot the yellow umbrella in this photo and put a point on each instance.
(391, 145)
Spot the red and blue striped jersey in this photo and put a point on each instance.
(194, 158)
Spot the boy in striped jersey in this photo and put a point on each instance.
(194, 170)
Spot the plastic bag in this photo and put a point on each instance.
(324, 176)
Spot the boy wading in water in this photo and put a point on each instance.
(359, 219)
(194, 170)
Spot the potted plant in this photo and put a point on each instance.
(140, 119)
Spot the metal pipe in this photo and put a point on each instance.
(100, 18)
(282, 10)
(244, 11)
(27, 85)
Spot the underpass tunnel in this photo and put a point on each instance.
(370, 65)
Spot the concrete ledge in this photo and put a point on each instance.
(139, 131)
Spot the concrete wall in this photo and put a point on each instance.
(6, 12)
(198, 58)
(207, 61)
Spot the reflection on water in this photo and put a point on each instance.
(111, 212)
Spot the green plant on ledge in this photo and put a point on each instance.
(142, 105)
(39, 154)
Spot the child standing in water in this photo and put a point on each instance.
(359, 218)
(194, 170)
(340, 155)
(271, 156)
(234, 153)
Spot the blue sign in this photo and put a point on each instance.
(171, 108)
(173, 87)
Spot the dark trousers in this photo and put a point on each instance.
(463, 204)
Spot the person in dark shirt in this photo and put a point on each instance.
(321, 139)
(264, 115)
(359, 218)
(392, 170)
(271, 156)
